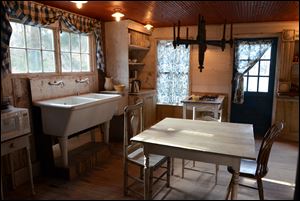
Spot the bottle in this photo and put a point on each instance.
(108, 85)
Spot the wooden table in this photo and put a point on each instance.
(204, 105)
(221, 143)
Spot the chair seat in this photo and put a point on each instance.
(137, 157)
(247, 168)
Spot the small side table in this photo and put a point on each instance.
(11, 145)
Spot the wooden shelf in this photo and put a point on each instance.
(136, 64)
(136, 47)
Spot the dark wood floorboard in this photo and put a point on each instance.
(105, 182)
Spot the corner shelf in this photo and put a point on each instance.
(136, 47)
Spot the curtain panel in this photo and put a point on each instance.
(35, 14)
(253, 50)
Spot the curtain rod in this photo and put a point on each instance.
(65, 11)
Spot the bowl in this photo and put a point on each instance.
(119, 87)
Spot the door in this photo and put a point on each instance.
(258, 91)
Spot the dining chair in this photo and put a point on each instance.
(133, 154)
(257, 169)
(205, 117)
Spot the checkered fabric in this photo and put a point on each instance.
(35, 14)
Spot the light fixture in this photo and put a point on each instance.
(79, 3)
(117, 15)
(148, 26)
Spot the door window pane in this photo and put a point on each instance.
(254, 70)
(263, 84)
(252, 84)
(264, 68)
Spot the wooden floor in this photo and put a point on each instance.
(105, 181)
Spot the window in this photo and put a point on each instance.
(33, 50)
(74, 52)
(172, 73)
(257, 79)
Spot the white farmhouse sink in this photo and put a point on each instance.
(68, 115)
(62, 117)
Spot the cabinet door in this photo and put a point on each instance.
(149, 111)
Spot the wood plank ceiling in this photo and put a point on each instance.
(166, 13)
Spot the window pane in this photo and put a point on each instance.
(18, 60)
(48, 61)
(252, 85)
(264, 68)
(254, 70)
(245, 83)
(34, 61)
(47, 39)
(84, 44)
(33, 37)
(65, 42)
(66, 62)
(75, 62)
(267, 54)
(263, 84)
(17, 36)
(85, 62)
(75, 43)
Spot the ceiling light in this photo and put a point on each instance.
(79, 3)
(148, 26)
(117, 15)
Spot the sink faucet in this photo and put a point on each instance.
(86, 80)
(57, 83)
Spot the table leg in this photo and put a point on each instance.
(235, 185)
(146, 176)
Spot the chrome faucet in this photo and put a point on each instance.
(86, 80)
(57, 83)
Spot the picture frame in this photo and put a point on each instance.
(288, 35)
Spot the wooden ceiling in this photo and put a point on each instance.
(166, 13)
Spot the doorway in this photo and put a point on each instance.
(258, 85)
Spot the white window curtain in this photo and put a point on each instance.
(172, 73)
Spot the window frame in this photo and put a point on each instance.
(58, 69)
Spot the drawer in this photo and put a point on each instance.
(14, 144)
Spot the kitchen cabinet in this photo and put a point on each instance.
(149, 108)
(287, 110)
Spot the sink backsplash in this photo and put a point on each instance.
(47, 88)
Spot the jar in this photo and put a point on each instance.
(108, 85)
